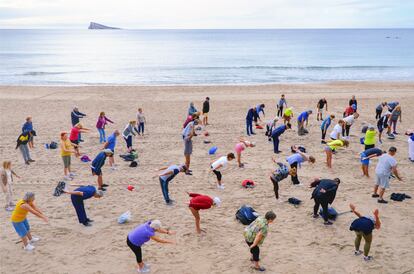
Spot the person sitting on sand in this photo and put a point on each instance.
(382, 124)
(325, 125)
(303, 119)
(295, 160)
(218, 164)
(128, 133)
(259, 108)
(251, 115)
(75, 116)
(379, 109)
(240, 146)
(78, 196)
(97, 165)
(322, 103)
(282, 102)
(331, 148)
(323, 195)
(386, 166)
(188, 133)
(270, 125)
(66, 151)
(287, 115)
(255, 234)
(337, 130)
(281, 172)
(166, 177)
(198, 202)
(369, 139)
(142, 234)
(363, 227)
(74, 136)
(206, 110)
(20, 222)
(28, 126)
(7, 174)
(111, 144)
(22, 144)
(276, 134)
(366, 156)
(100, 125)
(348, 122)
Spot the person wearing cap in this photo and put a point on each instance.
(110, 144)
(206, 110)
(369, 139)
(255, 234)
(74, 136)
(166, 176)
(323, 195)
(276, 134)
(240, 146)
(144, 233)
(199, 201)
(97, 165)
(303, 119)
(66, 151)
(366, 156)
(78, 196)
(76, 115)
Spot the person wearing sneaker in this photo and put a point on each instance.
(20, 222)
(198, 202)
(188, 133)
(363, 227)
(255, 234)
(323, 195)
(276, 133)
(240, 147)
(166, 177)
(387, 166)
(111, 144)
(97, 165)
(325, 125)
(142, 234)
(78, 196)
(218, 164)
(66, 151)
(22, 144)
(7, 180)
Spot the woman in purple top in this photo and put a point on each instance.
(100, 125)
(142, 234)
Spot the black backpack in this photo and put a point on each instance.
(53, 145)
(246, 214)
(133, 164)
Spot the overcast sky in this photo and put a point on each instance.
(136, 14)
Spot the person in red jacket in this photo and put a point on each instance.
(199, 201)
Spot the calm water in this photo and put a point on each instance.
(156, 57)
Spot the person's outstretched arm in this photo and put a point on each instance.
(163, 241)
(353, 209)
(78, 193)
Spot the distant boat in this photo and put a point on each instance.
(94, 25)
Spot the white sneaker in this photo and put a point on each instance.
(9, 208)
(34, 239)
(72, 174)
(67, 178)
(145, 269)
(29, 247)
(113, 168)
(220, 186)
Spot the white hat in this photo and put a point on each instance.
(217, 201)
(155, 224)
(108, 151)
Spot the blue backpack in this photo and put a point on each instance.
(332, 214)
(246, 215)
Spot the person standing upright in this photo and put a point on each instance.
(282, 102)
(320, 106)
(206, 110)
(76, 115)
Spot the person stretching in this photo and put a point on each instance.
(368, 154)
(369, 139)
(240, 146)
(276, 134)
(270, 125)
(74, 136)
(111, 144)
(321, 104)
(331, 148)
(281, 172)
(188, 133)
(325, 125)
(303, 119)
(128, 133)
(198, 202)
(363, 227)
(295, 160)
(251, 115)
(166, 177)
(100, 126)
(79, 195)
(142, 234)
(259, 108)
(97, 165)
(349, 121)
(287, 115)
(324, 194)
(383, 124)
(218, 164)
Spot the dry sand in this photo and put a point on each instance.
(296, 242)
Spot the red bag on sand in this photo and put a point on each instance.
(206, 133)
(259, 127)
(248, 184)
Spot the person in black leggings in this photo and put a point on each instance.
(323, 195)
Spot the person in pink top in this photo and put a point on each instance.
(240, 146)
(100, 125)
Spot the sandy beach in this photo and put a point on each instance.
(296, 242)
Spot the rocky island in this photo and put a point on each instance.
(94, 25)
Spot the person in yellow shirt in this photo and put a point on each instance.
(331, 147)
(287, 115)
(66, 151)
(369, 140)
(20, 223)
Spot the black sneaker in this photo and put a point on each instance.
(328, 223)
(382, 201)
(31, 160)
(102, 188)
(87, 224)
(89, 220)
(374, 195)
(105, 185)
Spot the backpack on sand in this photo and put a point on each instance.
(246, 214)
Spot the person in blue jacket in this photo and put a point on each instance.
(78, 196)
(276, 134)
(75, 116)
(251, 115)
(28, 127)
(167, 174)
(325, 125)
(302, 121)
(324, 194)
(363, 227)
(259, 108)
(97, 165)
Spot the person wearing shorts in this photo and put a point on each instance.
(386, 166)
(240, 147)
(322, 103)
(66, 151)
(366, 156)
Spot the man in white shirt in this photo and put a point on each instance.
(386, 166)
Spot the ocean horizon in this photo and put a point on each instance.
(204, 56)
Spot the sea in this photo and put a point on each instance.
(204, 57)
